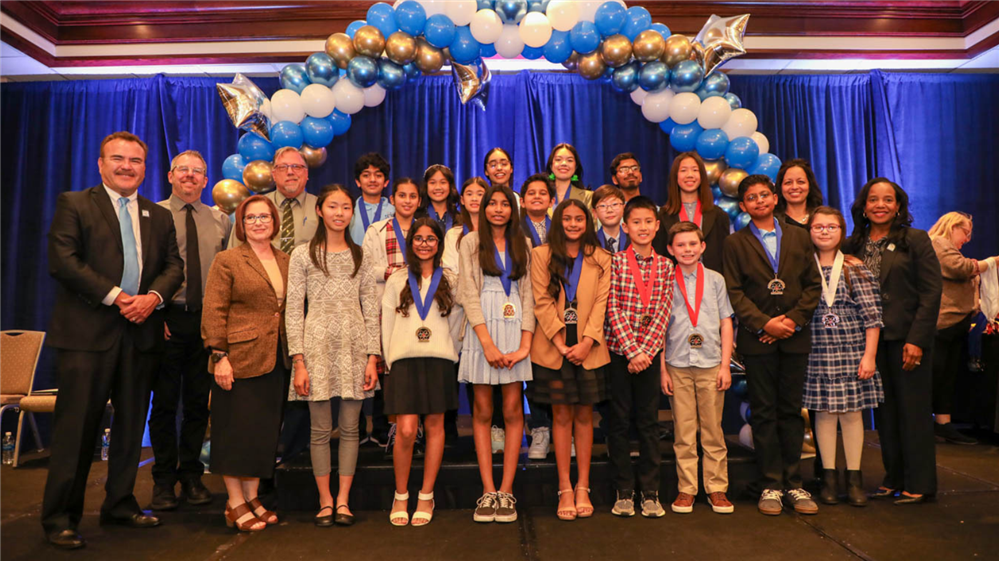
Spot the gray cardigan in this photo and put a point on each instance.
(470, 285)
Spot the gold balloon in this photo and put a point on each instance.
(314, 157)
(228, 193)
(429, 58)
(400, 48)
(677, 50)
(257, 176)
(341, 49)
(368, 41)
(730, 180)
(649, 45)
(714, 169)
(572, 63)
(616, 51)
(591, 66)
(713, 34)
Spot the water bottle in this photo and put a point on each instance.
(8, 449)
(105, 444)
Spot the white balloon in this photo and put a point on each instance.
(286, 105)
(535, 29)
(266, 109)
(761, 141)
(714, 112)
(656, 106)
(563, 14)
(683, 110)
(318, 100)
(639, 95)
(746, 436)
(486, 26)
(509, 44)
(461, 11)
(432, 7)
(742, 123)
(349, 98)
(374, 96)
(588, 10)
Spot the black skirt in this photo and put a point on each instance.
(421, 386)
(246, 423)
(569, 385)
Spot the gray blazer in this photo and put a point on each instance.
(470, 285)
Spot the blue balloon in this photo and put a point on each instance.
(382, 16)
(411, 17)
(716, 84)
(684, 137)
(625, 78)
(484, 5)
(742, 220)
(362, 71)
(488, 50)
(608, 75)
(510, 11)
(766, 164)
(686, 76)
(742, 153)
(321, 69)
(584, 37)
(538, 5)
(733, 100)
(654, 76)
(662, 29)
(532, 53)
(286, 133)
(354, 26)
(294, 77)
(390, 74)
(464, 48)
(317, 132)
(637, 20)
(340, 122)
(558, 49)
(668, 125)
(748, 414)
(716, 192)
(610, 18)
(729, 205)
(439, 31)
(741, 387)
(232, 168)
(711, 144)
(253, 147)
(413, 73)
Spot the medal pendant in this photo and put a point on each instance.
(776, 287)
(646, 320)
(423, 334)
(571, 318)
(830, 320)
(509, 311)
(695, 340)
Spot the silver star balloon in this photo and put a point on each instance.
(472, 81)
(244, 103)
(722, 40)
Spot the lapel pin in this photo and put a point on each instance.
(891, 247)
(145, 214)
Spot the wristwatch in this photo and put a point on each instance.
(217, 356)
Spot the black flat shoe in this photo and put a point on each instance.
(137, 520)
(343, 519)
(163, 498)
(195, 492)
(324, 521)
(66, 539)
(883, 493)
(907, 500)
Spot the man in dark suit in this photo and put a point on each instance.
(115, 256)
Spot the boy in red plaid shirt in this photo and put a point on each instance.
(638, 311)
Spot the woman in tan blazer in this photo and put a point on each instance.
(243, 325)
(569, 351)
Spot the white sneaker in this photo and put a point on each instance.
(498, 437)
(540, 438)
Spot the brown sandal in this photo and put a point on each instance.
(232, 516)
(268, 516)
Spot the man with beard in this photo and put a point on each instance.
(626, 174)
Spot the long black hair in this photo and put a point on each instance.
(443, 297)
(317, 245)
(485, 163)
(516, 242)
(465, 219)
(814, 198)
(452, 195)
(578, 182)
(862, 225)
(560, 260)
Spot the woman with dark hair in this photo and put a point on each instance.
(566, 170)
(569, 352)
(689, 199)
(498, 167)
(439, 196)
(903, 260)
(798, 192)
(330, 360)
(420, 353)
(471, 202)
(495, 290)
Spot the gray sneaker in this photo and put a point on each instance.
(651, 507)
(770, 502)
(625, 504)
(506, 511)
(802, 502)
(485, 508)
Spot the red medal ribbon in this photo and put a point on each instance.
(697, 214)
(644, 288)
(698, 294)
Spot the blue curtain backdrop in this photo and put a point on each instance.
(933, 133)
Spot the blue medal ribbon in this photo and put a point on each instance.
(448, 219)
(423, 305)
(534, 231)
(464, 229)
(572, 276)
(399, 238)
(774, 259)
(363, 206)
(506, 268)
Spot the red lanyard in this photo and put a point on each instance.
(698, 294)
(697, 214)
(644, 288)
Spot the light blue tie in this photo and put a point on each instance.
(130, 276)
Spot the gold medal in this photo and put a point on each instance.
(695, 340)
(776, 287)
(423, 334)
(571, 318)
(646, 320)
(509, 311)
(830, 320)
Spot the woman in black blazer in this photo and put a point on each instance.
(688, 197)
(798, 193)
(903, 259)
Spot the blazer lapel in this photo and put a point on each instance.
(887, 258)
(782, 256)
(145, 226)
(254, 262)
(707, 221)
(755, 244)
(103, 202)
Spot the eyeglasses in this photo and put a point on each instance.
(632, 169)
(609, 206)
(967, 232)
(293, 167)
(261, 218)
(762, 196)
(429, 240)
(494, 164)
(185, 169)
(831, 228)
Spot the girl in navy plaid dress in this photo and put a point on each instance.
(842, 378)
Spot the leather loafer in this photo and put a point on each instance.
(67, 539)
(163, 498)
(137, 520)
(195, 492)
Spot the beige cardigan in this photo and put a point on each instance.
(470, 286)
(960, 283)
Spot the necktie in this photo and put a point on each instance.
(612, 245)
(287, 227)
(130, 272)
(193, 261)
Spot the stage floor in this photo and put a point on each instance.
(962, 523)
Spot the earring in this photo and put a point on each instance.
(551, 176)
(575, 178)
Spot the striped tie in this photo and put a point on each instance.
(287, 227)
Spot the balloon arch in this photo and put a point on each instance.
(672, 77)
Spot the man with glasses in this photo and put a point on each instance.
(202, 232)
(626, 174)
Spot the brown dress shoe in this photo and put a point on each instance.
(684, 503)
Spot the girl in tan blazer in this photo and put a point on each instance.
(569, 351)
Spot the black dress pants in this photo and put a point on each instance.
(776, 383)
(86, 381)
(947, 364)
(639, 393)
